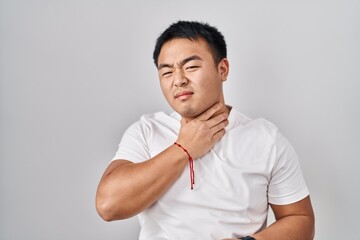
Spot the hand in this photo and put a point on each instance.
(199, 135)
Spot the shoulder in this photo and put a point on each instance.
(258, 126)
(156, 116)
(158, 119)
(154, 122)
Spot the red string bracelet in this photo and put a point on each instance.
(191, 163)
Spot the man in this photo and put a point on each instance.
(205, 171)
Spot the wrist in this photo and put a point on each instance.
(191, 164)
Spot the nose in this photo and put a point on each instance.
(180, 79)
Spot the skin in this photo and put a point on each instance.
(191, 82)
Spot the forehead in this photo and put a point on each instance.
(180, 48)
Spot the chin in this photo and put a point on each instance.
(188, 112)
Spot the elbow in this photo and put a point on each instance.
(104, 202)
(110, 211)
(105, 206)
(105, 211)
(113, 204)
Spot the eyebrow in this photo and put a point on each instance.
(181, 63)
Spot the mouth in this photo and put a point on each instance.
(183, 94)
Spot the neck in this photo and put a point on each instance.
(224, 109)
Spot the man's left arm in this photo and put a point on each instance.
(293, 221)
(296, 220)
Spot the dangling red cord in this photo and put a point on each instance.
(191, 163)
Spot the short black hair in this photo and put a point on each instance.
(194, 31)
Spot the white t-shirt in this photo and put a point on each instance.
(251, 166)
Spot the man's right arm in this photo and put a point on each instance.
(128, 188)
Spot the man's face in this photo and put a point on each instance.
(190, 80)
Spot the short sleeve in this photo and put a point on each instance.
(133, 145)
(287, 184)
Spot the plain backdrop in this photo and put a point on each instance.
(76, 73)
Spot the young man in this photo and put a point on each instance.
(205, 171)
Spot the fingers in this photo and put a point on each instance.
(209, 112)
(218, 130)
(216, 125)
(219, 126)
(217, 136)
(217, 119)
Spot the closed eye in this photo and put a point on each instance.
(192, 67)
(166, 74)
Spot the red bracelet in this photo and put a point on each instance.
(191, 163)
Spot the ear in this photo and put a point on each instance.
(223, 69)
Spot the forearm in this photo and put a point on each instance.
(294, 227)
(130, 188)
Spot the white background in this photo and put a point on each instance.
(74, 74)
